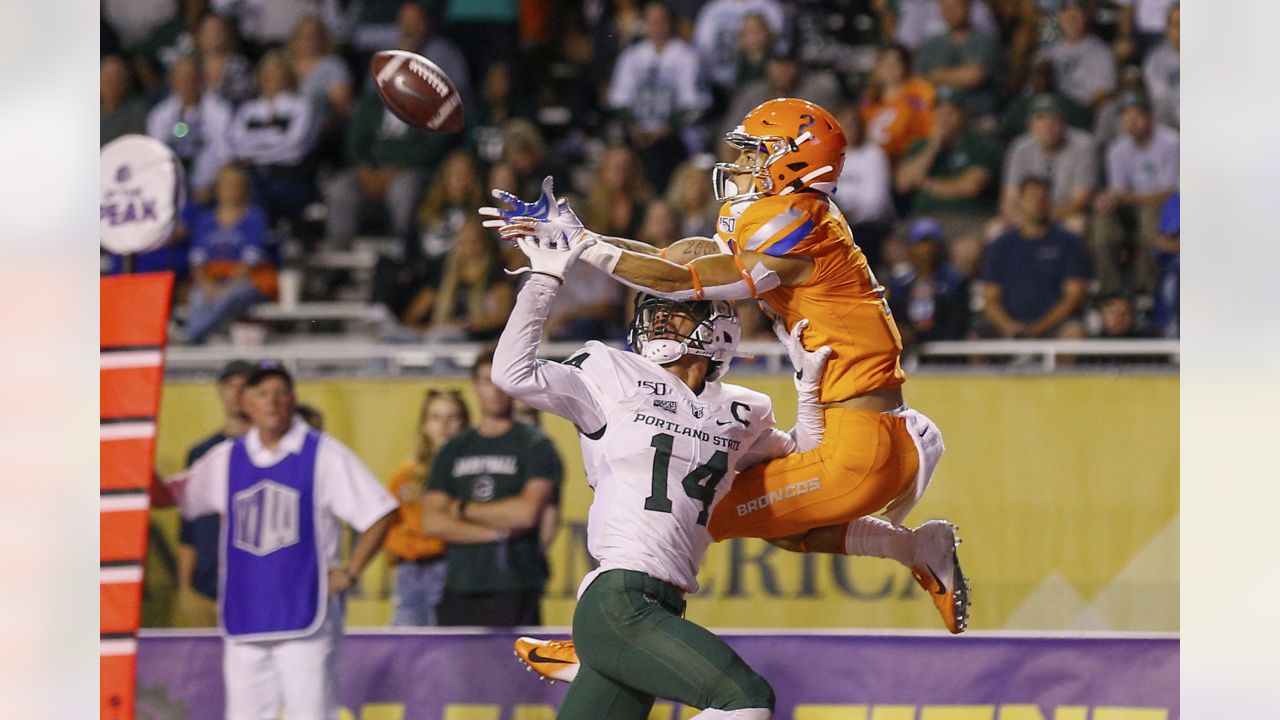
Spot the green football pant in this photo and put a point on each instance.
(635, 647)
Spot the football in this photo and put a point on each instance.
(417, 91)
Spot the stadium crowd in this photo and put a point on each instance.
(1012, 169)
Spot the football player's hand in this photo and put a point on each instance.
(559, 223)
(808, 364)
(514, 207)
(549, 256)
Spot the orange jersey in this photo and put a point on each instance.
(841, 299)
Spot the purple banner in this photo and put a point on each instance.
(419, 675)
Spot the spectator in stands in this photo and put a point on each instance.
(500, 103)
(1083, 65)
(1169, 259)
(1162, 70)
(226, 71)
(1142, 171)
(755, 46)
(1040, 81)
(282, 583)
(1062, 154)
(656, 95)
(1035, 275)
(196, 597)
(1118, 319)
(122, 112)
(270, 23)
(418, 558)
(911, 22)
(1141, 27)
(373, 28)
(525, 153)
(1106, 124)
(618, 194)
(448, 204)
(897, 108)
(964, 57)
(418, 34)
(690, 198)
(785, 76)
(474, 297)
(229, 259)
(929, 297)
(953, 175)
(594, 309)
(864, 190)
(173, 40)
(486, 497)
(660, 227)
(391, 161)
(488, 31)
(717, 34)
(323, 77)
(195, 124)
(274, 134)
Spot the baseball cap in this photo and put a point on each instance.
(266, 369)
(1133, 98)
(949, 94)
(922, 229)
(236, 367)
(1046, 103)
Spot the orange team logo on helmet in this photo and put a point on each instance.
(797, 145)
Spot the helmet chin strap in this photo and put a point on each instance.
(664, 350)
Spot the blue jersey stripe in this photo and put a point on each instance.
(783, 246)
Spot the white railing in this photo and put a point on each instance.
(330, 357)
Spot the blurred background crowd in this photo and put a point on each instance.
(1012, 169)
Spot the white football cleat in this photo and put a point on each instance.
(937, 569)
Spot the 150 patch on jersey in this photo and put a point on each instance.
(727, 224)
(655, 387)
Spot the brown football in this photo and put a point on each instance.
(417, 91)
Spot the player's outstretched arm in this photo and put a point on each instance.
(710, 277)
(517, 371)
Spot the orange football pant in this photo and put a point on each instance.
(866, 460)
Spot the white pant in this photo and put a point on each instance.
(300, 676)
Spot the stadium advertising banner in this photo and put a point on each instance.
(448, 676)
(1065, 489)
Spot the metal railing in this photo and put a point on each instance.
(318, 358)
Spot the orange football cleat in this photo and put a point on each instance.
(553, 660)
(937, 569)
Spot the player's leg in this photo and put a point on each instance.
(252, 685)
(628, 627)
(865, 461)
(593, 696)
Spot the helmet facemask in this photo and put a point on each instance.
(714, 335)
(769, 149)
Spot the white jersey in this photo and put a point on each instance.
(658, 456)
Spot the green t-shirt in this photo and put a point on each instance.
(481, 469)
(941, 51)
(970, 150)
(378, 138)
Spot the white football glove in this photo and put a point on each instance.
(808, 364)
(550, 217)
(548, 256)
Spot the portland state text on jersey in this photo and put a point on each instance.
(676, 428)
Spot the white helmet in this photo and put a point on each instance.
(715, 336)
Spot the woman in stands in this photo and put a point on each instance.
(418, 558)
(474, 296)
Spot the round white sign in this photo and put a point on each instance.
(143, 190)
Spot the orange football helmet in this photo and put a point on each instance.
(798, 145)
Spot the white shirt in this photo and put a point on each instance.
(344, 488)
(862, 191)
(921, 19)
(1149, 16)
(647, 439)
(1083, 68)
(204, 141)
(1147, 169)
(715, 33)
(274, 131)
(655, 85)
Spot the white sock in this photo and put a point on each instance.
(742, 714)
(871, 536)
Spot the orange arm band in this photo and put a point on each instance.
(697, 283)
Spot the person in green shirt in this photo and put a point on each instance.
(122, 112)
(489, 492)
(952, 175)
(963, 57)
